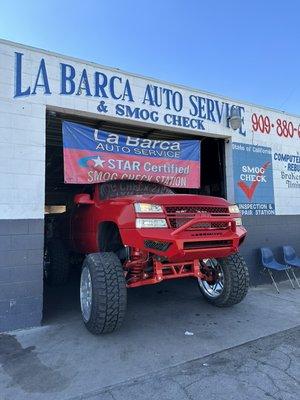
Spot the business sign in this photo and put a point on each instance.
(253, 179)
(31, 78)
(92, 156)
(116, 94)
(119, 95)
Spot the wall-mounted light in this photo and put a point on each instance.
(235, 120)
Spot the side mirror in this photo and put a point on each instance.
(83, 198)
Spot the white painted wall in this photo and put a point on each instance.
(22, 128)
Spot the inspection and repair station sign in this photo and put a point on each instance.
(253, 179)
(92, 156)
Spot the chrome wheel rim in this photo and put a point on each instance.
(86, 293)
(214, 289)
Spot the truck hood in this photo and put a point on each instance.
(174, 199)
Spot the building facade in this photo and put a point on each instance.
(261, 162)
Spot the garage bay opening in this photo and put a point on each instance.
(62, 268)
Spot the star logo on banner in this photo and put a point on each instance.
(98, 162)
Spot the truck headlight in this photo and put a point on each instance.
(147, 208)
(234, 209)
(238, 221)
(151, 223)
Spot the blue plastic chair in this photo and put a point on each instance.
(270, 264)
(291, 260)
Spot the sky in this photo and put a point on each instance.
(246, 50)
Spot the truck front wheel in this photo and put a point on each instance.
(103, 295)
(230, 280)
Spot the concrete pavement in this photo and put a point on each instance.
(61, 360)
(264, 369)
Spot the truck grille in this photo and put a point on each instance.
(180, 215)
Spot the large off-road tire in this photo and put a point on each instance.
(232, 281)
(56, 263)
(103, 293)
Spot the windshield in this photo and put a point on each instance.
(112, 189)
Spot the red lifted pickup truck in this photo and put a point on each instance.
(131, 234)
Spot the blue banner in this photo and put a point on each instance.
(92, 155)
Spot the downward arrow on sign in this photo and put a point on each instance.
(249, 190)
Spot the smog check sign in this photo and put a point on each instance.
(253, 179)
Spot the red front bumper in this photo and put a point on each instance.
(186, 244)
